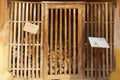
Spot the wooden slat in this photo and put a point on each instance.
(111, 37)
(84, 40)
(107, 63)
(65, 49)
(103, 32)
(41, 37)
(99, 35)
(46, 42)
(29, 50)
(11, 38)
(80, 40)
(18, 38)
(61, 40)
(31, 41)
(51, 42)
(22, 38)
(14, 40)
(37, 47)
(96, 34)
(92, 16)
(74, 41)
(25, 57)
(99, 17)
(87, 40)
(33, 36)
(56, 39)
(70, 41)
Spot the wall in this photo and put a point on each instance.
(4, 74)
(116, 74)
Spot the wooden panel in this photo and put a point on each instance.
(25, 48)
(99, 24)
(56, 51)
(64, 39)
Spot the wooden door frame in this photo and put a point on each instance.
(52, 4)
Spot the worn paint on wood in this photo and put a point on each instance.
(58, 46)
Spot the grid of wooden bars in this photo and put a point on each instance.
(64, 38)
(25, 48)
(26, 51)
(99, 21)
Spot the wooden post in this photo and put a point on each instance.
(98, 51)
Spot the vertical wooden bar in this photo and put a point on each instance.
(88, 16)
(29, 48)
(85, 40)
(92, 34)
(103, 32)
(107, 64)
(65, 50)
(51, 42)
(80, 40)
(56, 37)
(16, 62)
(33, 36)
(11, 38)
(31, 42)
(14, 40)
(26, 39)
(83, 12)
(37, 43)
(99, 17)
(60, 40)
(69, 41)
(22, 38)
(96, 35)
(18, 38)
(111, 36)
(42, 12)
(46, 42)
(99, 35)
(74, 41)
(96, 19)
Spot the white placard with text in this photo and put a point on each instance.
(31, 28)
(98, 42)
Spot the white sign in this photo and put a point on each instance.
(98, 42)
(31, 28)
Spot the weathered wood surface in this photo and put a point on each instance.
(63, 28)
(25, 48)
(99, 24)
(60, 49)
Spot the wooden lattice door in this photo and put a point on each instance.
(63, 40)
(56, 51)
(26, 53)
